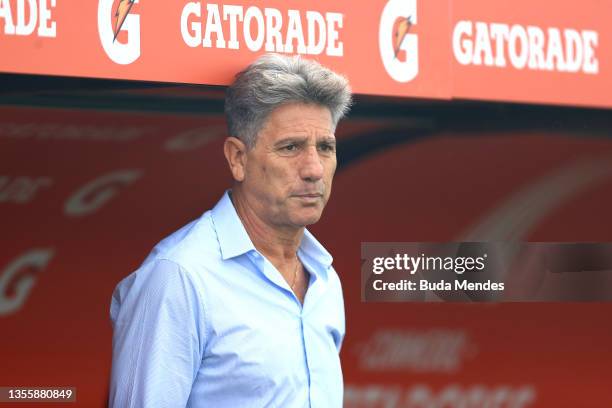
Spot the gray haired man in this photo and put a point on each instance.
(242, 307)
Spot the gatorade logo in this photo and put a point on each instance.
(399, 48)
(526, 47)
(113, 20)
(30, 16)
(18, 278)
(95, 194)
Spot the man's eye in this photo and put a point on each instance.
(326, 147)
(289, 148)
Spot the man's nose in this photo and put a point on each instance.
(311, 165)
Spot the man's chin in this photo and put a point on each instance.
(304, 220)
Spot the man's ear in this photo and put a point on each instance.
(235, 154)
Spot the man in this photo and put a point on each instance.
(242, 308)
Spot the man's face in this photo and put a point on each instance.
(289, 171)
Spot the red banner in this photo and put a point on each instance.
(548, 52)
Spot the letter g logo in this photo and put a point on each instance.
(93, 195)
(124, 21)
(19, 276)
(398, 47)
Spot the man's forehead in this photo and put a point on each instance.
(290, 134)
(299, 123)
(304, 126)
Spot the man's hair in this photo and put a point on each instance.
(273, 80)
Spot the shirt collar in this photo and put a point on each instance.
(313, 248)
(234, 240)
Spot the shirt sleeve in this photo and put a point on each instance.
(158, 337)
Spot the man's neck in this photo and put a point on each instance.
(276, 244)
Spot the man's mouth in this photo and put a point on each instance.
(314, 195)
(311, 198)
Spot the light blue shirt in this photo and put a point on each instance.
(207, 321)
